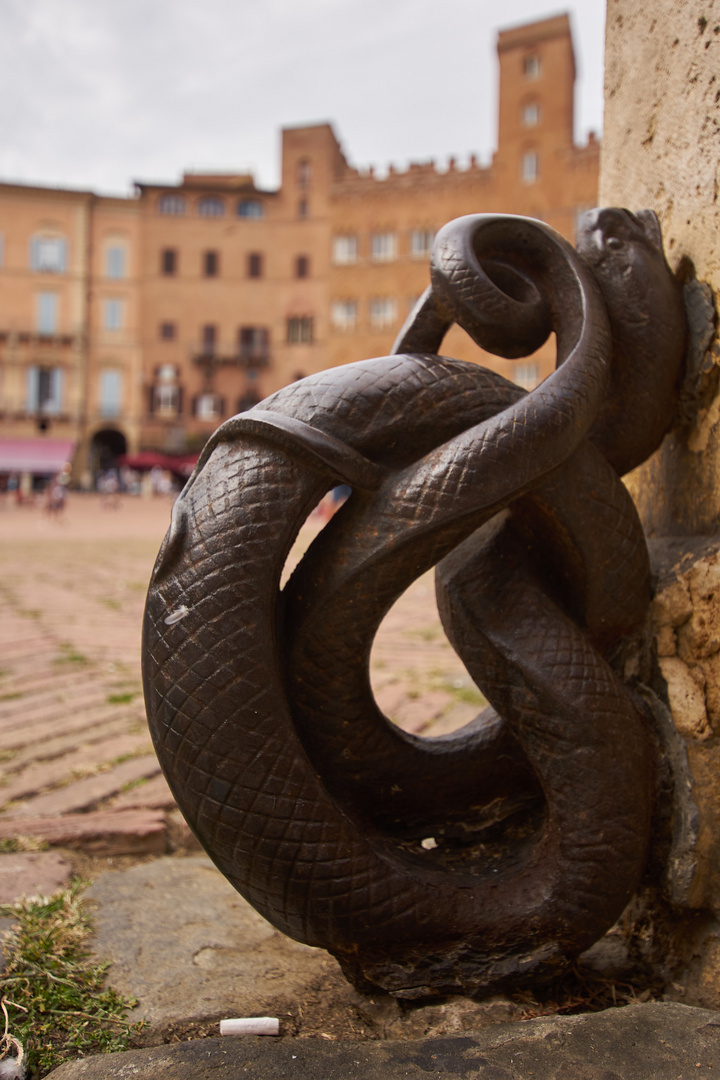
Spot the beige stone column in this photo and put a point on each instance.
(661, 149)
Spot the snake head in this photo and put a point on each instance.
(648, 327)
(625, 251)
(608, 233)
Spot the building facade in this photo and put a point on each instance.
(138, 325)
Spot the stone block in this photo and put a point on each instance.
(102, 833)
(32, 873)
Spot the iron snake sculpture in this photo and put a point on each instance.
(309, 801)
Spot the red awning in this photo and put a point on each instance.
(39, 456)
(151, 459)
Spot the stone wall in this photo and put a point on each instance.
(661, 150)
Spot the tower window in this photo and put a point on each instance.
(530, 167)
(531, 66)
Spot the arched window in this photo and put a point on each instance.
(304, 171)
(250, 208)
(48, 254)
(211, 206)
(171, 204)
(115, 259)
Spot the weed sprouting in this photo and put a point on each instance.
(54, 988)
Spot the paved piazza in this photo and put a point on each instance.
(77, 768)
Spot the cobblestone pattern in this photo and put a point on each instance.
(73, 735)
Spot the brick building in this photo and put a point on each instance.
(139, 324)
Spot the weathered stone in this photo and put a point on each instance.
(187, 945)
(120, 832)
(711, 670)
(704, 760)
(673, 605)
(665, 641)
(192, 951)
(687, 701)
(31, 873)
(660, 1040)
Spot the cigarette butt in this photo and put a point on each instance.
(250, 1025)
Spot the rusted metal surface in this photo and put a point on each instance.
(310, 802)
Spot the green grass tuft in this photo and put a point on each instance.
(70, 655)
(54, 989)
(120, 699)
(470, 695)
(111, 603)
(12, 844)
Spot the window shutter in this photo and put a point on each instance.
(179, 400)
(195, 401)
(56, 391)
(151, 400)
(62, 255)
(32, 386)
(34, 252)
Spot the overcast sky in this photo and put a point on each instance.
(98, 93)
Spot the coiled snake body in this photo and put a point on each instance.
(259, 701)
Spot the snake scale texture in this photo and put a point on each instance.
(309, 801)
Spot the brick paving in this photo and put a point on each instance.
(76, 762)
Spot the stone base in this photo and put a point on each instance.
(659, 1040)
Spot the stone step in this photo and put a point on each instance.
(49, 680)
(52, 748)
(36, 733)
(154, 795)
(37, 777)
(83, 794)
(32, 873)
(104, 833)
(50, 706)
